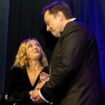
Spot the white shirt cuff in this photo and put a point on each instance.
(43, 97)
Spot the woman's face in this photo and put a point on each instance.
(33, 50)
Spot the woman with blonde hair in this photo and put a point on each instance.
(29, 68)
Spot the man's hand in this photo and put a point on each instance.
(34, 94)
(35, 97)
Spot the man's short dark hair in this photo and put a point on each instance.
(57, 6)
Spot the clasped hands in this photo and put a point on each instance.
(34, 94)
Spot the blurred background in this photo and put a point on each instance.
(20, 19)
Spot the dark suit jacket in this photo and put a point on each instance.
(74, 69)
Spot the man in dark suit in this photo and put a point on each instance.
(74, 68)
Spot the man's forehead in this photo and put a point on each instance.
(46, 16)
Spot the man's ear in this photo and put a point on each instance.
(60, 15)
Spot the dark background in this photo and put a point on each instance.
(20, 19)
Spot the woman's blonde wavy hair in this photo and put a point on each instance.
(21, 56)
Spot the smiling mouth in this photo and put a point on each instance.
(36, 51)
(52, 31)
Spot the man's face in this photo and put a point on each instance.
(53, 23)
